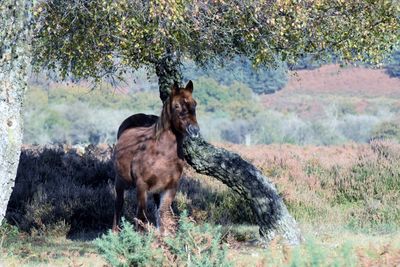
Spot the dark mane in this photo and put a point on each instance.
(137, 120)
(163, 122)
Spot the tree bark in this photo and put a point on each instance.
(268, 207)
(14, 61)
(168, 71)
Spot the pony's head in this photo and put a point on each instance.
(183, 110)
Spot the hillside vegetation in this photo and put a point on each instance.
(324, 106)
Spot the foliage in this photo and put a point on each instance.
(235, 101)
(362, 189)
(103, 37)
(393, 66)
(197, 245)
(261, 80)
(191, 245)
(129, 248)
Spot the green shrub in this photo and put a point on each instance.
(197, 245)
(130, 248)
(191, 245)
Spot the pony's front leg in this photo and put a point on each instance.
(167, 222)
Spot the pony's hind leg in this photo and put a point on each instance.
(157, 199)
(118, 205)
(167, 222)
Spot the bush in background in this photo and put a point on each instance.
(387, 130)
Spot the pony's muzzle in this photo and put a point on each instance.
(193, 130)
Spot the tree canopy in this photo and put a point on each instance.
(104, 37)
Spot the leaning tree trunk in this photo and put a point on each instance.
(14, 60)
(271, 213)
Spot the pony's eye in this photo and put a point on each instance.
(176, 106)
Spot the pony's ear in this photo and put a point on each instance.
(175, 88)
(189, 86)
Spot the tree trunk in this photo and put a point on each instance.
(241, 176)
(14, 61)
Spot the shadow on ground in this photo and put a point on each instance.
(69, 191)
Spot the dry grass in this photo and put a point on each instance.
(353, 185)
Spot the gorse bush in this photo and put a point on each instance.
(191, 245)
(130, 248)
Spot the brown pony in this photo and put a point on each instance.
(149, 155)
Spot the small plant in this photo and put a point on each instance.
(197, 245)
(130, 248)
(192, 245)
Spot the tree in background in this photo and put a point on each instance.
(104, 38)
(262, 80)
(393, 66)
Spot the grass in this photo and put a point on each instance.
(324, 246)
(345, 198)
(21, 249)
